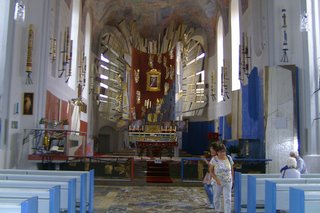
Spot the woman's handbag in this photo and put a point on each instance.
(207, 178)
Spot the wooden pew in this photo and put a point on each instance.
(240, 187)
(80, 184)
(277, 194)
(19, 205)
(301, 201)
(256, 189)
(48, 199)
(86, 178)
(67, 193)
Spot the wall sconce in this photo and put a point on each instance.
(213, 88)
(65, 54)
(304, 22)
(29, 54)
(224, 82)
(245, 57)
(82, 69)
(53, 49)
(284, 37)
(70, 61)
(20, 11)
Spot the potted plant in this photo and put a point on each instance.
(233, 150)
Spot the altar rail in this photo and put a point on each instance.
(197, 167)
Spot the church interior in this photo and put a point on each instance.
(137, 90)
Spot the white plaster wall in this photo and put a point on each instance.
(4, 73)
(312, 163)
(2, 158)
(280, 132)
(18, 85)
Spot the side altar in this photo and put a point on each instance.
(154, 140)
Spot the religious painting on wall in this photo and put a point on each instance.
(28, 103)
(153, 80)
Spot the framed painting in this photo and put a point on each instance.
(153, 80)
(28, 103)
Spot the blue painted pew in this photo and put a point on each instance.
(19, 205)
(86, 178)
(80, 184)
(277, 194)
(301, 201)
(48, 199)
(256, 189)
(67, 193)
(240, 187)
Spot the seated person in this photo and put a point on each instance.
(291, 170)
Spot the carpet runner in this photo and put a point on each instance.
(158, 172)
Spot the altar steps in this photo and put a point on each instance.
(158, 172)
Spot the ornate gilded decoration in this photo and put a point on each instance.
(153, 80)
(167, 73)
(136, 75)
(166, 88)
(138, 96)
(150, 62)
(159, 58)
(171, 54)
(164, 61)
(171, 72)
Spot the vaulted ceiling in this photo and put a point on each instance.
(153, 16)
(151, 19)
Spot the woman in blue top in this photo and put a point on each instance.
(208, 181)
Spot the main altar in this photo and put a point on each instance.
(154, 139)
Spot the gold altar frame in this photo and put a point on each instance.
(153, 80)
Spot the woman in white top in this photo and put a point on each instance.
(291, 171)
(221, 170)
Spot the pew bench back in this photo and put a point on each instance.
(80, 184)
(67, 190)
(19, 205)
(85, 185)
(48, 199)
(302, 201)
(278, 194)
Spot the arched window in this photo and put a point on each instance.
(235, 42)
(193, 82)
(219, 58)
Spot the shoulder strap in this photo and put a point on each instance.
(284, 172)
